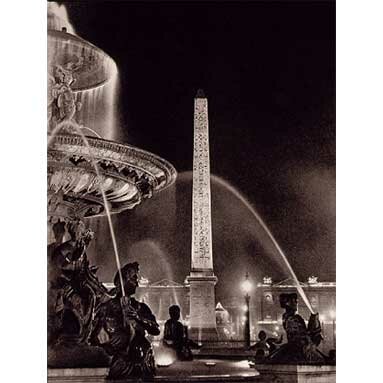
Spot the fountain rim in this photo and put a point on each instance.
(102, 143)
(66, 36)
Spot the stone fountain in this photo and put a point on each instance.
(88, 176)
(126, 174)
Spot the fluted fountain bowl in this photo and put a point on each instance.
(91, 67)
(79, 170)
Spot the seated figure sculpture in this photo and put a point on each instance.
(126, 321)
(75, 295)
(302, 341)
(78, 291)
(176, 335)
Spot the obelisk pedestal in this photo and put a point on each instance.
(202, 306)
(202, 279)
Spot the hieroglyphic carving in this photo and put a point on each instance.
(202, 257)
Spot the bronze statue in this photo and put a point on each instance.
(76, 289)
(126, 321)
(53, 273)
(302, 341)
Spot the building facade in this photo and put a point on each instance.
(265, 310)
(162, 294)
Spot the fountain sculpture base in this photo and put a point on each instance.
(288, 373)
(77, 356)
(197, 371)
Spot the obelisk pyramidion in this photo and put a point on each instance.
(201, 279)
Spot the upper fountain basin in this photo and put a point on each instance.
(90, 66)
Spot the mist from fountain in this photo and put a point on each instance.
(153, 249)
(58, 18)
(159, 308)
(106, 204)
(240, 197)
(99, 109)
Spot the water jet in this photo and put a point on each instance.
(88, 176)
(261, 222)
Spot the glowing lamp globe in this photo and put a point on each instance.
(246, 286)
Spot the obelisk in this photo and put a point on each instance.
(201, 279)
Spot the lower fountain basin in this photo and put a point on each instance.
(194, 371)
(289, 373)
(126, 174)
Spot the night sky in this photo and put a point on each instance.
(268, 70)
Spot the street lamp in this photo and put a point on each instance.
(246, 288)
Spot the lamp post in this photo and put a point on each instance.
(246, 288)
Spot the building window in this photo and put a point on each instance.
(269, 298)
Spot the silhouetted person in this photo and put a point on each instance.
(259, 355)
(261, 344)
(176, 335)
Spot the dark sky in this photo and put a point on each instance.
(268, 69)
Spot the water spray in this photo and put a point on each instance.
(106, 205)
(270, 235)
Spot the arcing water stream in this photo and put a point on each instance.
(91, 115)
(238, 195)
